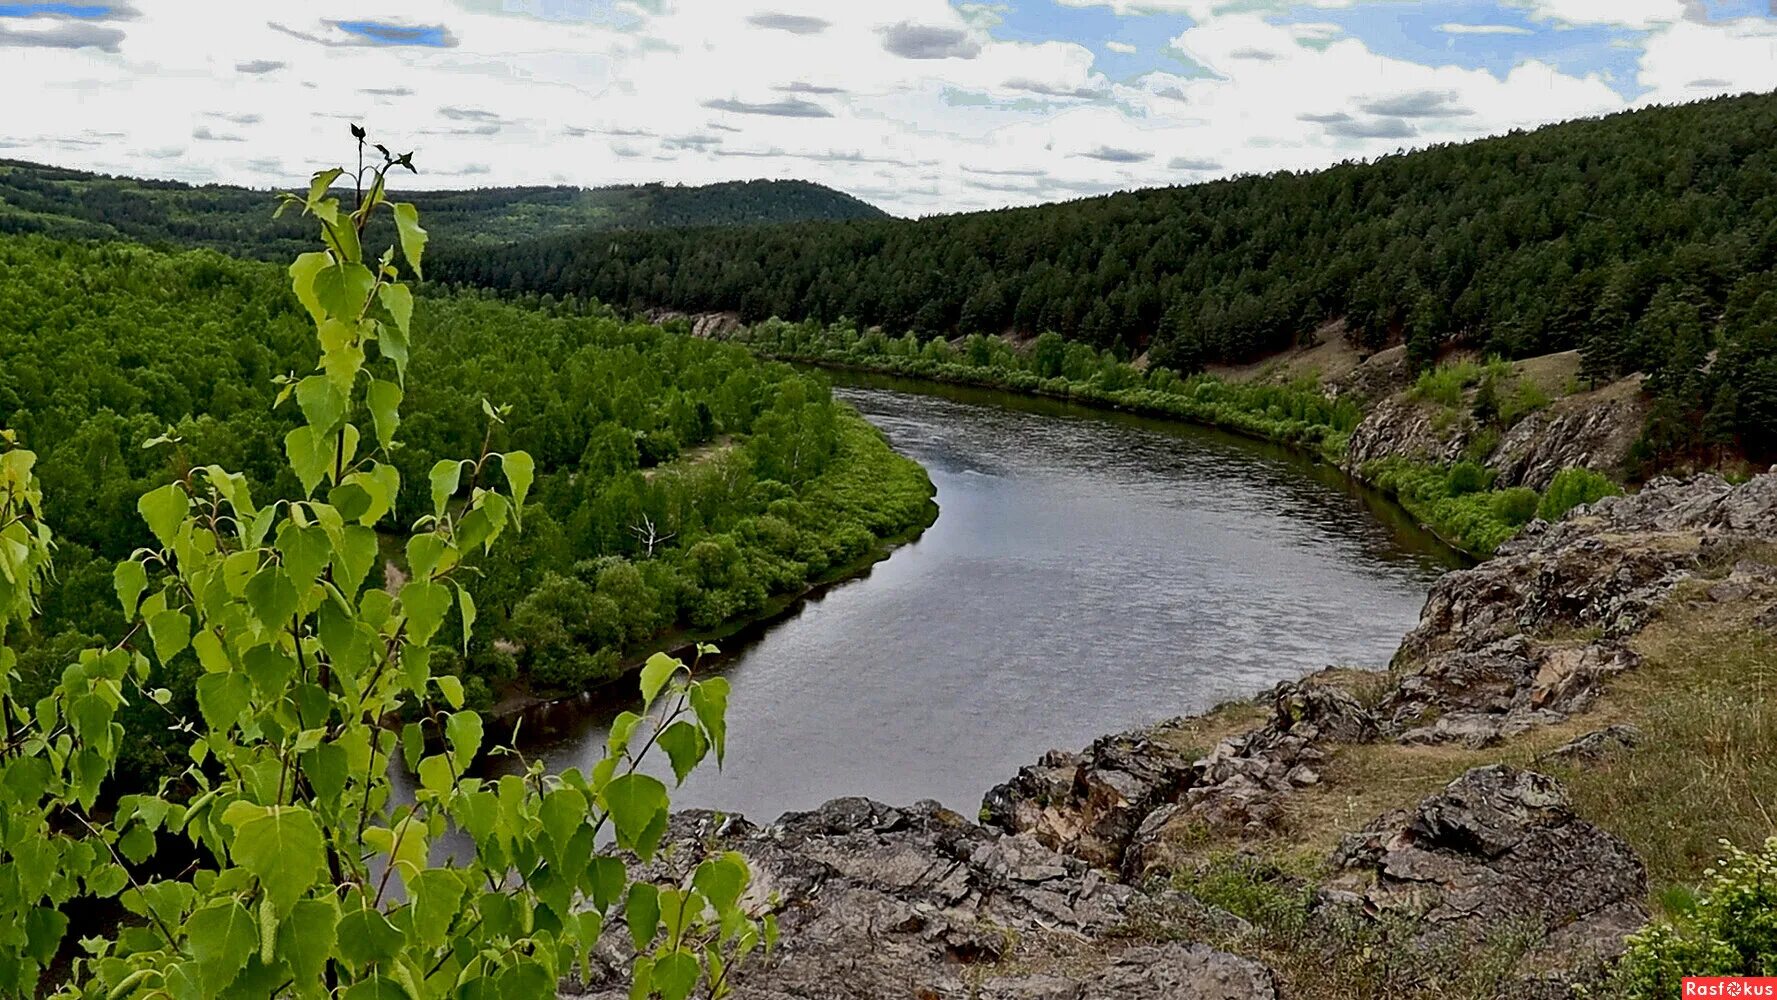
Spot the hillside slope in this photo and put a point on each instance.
(1645, 239)
(234, 220)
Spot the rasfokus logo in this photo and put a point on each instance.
(1729, 986)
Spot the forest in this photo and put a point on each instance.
(1646, 239)
(679, 482)
(78, 205)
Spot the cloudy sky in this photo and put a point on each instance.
(919, 106)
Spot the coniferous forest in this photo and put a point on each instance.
(78, 205)
(1647, 240)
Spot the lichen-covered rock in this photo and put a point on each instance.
(1594, 431)
(878, 902)
(1596, 745)
(1090, 804)
(1499, 848)
(1400, 427)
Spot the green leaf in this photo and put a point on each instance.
(413, 238)
(302, 281)
(466, 603)
(353, 560)
(342, 354)
(642, 913)
(344, 290)
(210, 653)
(272, 597)
(323, 180)
(323, 405)
(520, 472)
(281, 846)
(366, 936)
(709, 699)
(563, 811)
(446, 476)
(685, 746)
(306, 937)
(310, 453)
(222, 698)
(384, 400)
(130, 578)
(221, 937)
(395, 339)
(305, 552)
(607, 877)
(435, 774)
(655, 673)
(325, 766)
(463, 730)
(721, 879)
(635, 802)
(425, 603)
(171, 632)
(451, 688)
(675, 975)
(164, 509)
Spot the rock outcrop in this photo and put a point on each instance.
(1594, 430)
(1498, 850)
(1401, 427)
(1525, 638)
(1113, 804)
(878, 902)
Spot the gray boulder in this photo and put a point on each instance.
(1499, 848)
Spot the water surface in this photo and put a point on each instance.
(1088, 572)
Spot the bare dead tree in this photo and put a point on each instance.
(649, 535)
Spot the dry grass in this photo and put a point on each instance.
(1552, 373)
(1706, 771)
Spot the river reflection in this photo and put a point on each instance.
(1089, 572)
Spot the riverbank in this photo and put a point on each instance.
(521, 706)
(866, 501)
(1554, 758)
(1422, 450)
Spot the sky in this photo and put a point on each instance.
(918, 106)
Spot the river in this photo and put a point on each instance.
(1088, 572)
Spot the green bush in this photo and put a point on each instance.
(1444, 384)
(1467, 477)
(1573, 487)
(1729, 930)
(1516, 506)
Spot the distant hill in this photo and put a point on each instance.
(1647, 240)
(236, 220)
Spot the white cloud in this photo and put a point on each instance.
(695, 91)
(1641, 14)
(1123, 48)
(1690, 60)
(1484, 29)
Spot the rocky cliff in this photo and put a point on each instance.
(1078, 881)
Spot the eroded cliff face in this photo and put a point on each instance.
(1593, 430)
(1064, 890)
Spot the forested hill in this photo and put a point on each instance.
(1645, 238)
(235, 220)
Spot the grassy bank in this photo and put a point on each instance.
(1700, 776)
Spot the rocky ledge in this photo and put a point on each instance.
(878, 902)
(1055, 895)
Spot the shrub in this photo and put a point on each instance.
(1573, 487)
(1730, 930)
(1516, 506)
(1467, 477)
